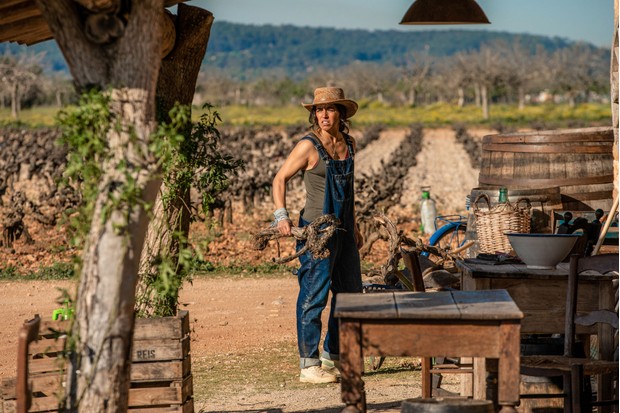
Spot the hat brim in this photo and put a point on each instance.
(349, 105)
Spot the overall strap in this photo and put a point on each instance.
(349, 142)
(319, 147)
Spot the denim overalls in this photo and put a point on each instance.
(340, 271)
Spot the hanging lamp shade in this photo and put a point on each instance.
(445, 12)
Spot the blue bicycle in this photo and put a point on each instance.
(450, 233)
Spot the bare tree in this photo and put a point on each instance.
(575, 70)
(517, 68)
(416, 69)
(372, 80)
(18, 73)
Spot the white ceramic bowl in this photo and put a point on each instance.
(542, 251)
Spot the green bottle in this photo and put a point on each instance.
(503, 195)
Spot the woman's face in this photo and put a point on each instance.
(328, 117)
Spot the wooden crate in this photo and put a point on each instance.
(161, 378)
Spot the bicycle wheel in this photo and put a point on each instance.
(452, 238)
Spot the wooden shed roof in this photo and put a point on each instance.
(21, 22)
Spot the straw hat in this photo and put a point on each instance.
(326, 95)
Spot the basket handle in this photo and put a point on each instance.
(482, 196)
(529, 205)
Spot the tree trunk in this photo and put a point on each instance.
(485, 101)
(177, 82)
(412, 96)
(15, 101)
(521, 93)
(98, 375)
(461, 94)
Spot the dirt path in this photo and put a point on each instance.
(243, 346)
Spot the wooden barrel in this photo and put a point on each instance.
(447, 405)
(578, 161)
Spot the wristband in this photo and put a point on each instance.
(281, 214)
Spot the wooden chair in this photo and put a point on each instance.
(27, 334)
(574, 369)
(432, 370)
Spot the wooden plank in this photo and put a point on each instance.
(47, 384)
(359, 305)
(155, 394)
(18, 13)
(161, 370)
(162, 327)
(521, 272)
(46, 365)
(160, 349)
(431, 338)
(9, 406)
(187, 407)
(496, 305)
(46, 346)
(435, 305)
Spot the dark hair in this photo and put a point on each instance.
(344, 122)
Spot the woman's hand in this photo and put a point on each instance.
(284, 227)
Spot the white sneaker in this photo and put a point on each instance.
(316, 374)
(331, 366)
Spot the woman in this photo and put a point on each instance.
(326, 159)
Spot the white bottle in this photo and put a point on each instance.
(428, 212)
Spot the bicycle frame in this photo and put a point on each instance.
(452, 223)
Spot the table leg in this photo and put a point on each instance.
(605, 343)
(352, 366)
(509, 366)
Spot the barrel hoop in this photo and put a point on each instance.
(606, 149)
(590, 196)
(489, 180)
(606, 137)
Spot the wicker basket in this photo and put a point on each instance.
(493, 222)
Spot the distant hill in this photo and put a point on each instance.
(247, 51)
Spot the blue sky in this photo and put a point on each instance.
(586, 20)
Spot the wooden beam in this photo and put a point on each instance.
(18, 13)
(17, 30)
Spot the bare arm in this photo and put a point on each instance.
(299, 159)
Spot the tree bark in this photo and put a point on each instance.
(98, 375)
(177, 82)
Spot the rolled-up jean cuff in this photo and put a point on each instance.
(308, 362)
(328, 356)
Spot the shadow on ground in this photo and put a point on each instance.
(370, 408)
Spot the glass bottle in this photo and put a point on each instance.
(428, 212)
(503, 195)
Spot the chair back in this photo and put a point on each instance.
(27, 334)
(602, 264)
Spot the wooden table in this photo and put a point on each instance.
(541, 295)
(458, 323)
